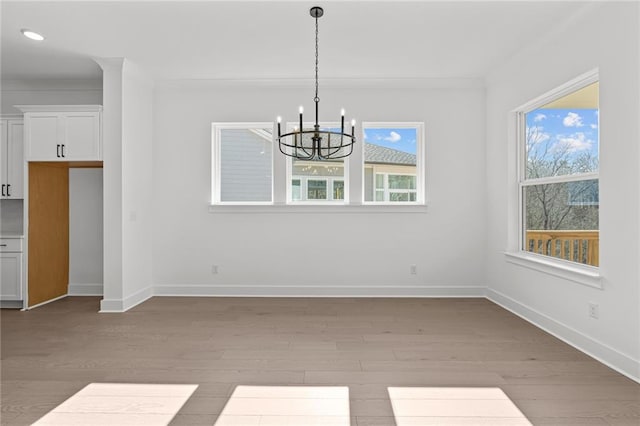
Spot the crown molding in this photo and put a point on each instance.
(58, 108)
(37, 85)
(339, 83)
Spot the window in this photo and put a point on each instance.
(392, 163)
(559, 142)
(305, 188)
(395, 187)
(246, 171)
(318, 181)
(242, 160)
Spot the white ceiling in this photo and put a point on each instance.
(273, 39)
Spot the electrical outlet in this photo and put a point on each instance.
(594, 310)
(214, 269)
(413, 269)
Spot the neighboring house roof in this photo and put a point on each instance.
(373, 154)
(381, 155)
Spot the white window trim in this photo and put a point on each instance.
(322, 208)
(281, 178)
(216, 130)
(420, 160)
(573, 271)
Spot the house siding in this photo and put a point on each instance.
(245, 167)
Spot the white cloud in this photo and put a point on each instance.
(393, 137)
(572, 120)
(539, 117)
(594, 126)
(573, 143)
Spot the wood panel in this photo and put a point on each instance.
(48, 275)
(73, 164)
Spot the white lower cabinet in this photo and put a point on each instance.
(11, 269)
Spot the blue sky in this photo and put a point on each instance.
(399, 139)
(575, 130)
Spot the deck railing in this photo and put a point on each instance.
(577, 246)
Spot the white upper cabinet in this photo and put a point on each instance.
(12, 158)
(82, 127)
(63, 133)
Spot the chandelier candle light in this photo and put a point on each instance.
(316, 144)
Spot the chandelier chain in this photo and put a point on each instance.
(316, 99)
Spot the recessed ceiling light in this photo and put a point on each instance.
(32, 35)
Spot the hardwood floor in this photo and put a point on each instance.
(368, 345)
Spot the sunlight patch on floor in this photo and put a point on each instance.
(120, 404)
(454, 406)
(286, 405)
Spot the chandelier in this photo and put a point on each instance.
(316, 143)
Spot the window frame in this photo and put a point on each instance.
(304, 188)
(281, 191)
(420, 162)
(585, 274)
(216, 168)
(289, 176)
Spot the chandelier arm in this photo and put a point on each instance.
(282, 141)
(331, 152)
(339, 156)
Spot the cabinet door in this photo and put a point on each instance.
(4, 154)
(82, 136)
(11, 276)
(15, 159)
(43, 137)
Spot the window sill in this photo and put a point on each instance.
(581, 274)
(317, 208)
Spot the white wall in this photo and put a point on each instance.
(137, 210)
(85, 231)
(112, 182)
(318, 253)
(127, 158)
(604, 36)
(49, 92)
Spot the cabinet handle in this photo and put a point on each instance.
(8, 187)
(3, 185)
(3, 245)
(62, 150)
(58, 151)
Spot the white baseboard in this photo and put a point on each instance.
(612, 358)
(123, 305)
(11, 304)
(318, 291)
(77, 289)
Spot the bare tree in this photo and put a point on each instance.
(559, 205)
